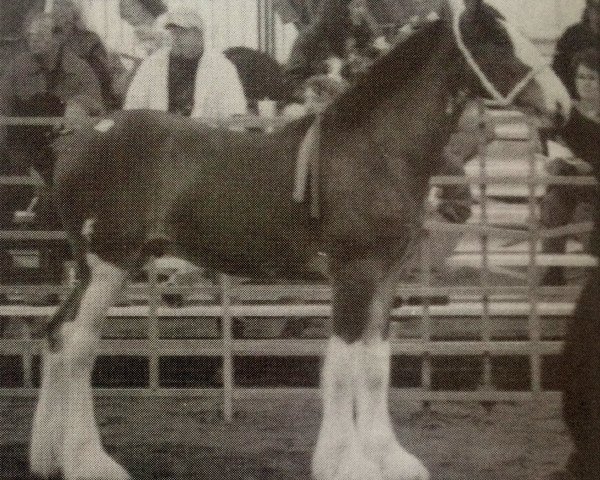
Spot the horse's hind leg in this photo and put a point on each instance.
(83, 455)
(372, 372)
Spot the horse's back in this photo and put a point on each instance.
(144, 176)
(112, 171)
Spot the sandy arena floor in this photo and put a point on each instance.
(180, 438)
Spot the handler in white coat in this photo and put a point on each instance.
(185, 77)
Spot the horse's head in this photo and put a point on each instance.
(502, 64)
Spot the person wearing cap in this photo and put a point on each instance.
(186, 78)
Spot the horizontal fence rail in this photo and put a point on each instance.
(227, 300)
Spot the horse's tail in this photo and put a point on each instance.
(67, 310)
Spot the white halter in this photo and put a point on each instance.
(524, 50)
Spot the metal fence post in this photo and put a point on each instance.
(532, 273)
(426, 325)
(486, 328)
(226, 329)
(153, 327)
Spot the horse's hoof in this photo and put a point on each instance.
(44, 456)
(354, 465)
(95, 466)
(325, 461)
(43, 469)
(398, 464)
(344, 462)
(46, 446)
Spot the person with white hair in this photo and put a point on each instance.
(185, 77)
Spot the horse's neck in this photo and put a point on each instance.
(414, 123)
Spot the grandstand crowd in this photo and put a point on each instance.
(64, 70)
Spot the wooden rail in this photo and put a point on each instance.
(485, 301)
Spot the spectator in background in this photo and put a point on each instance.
(344, 30)
(186, 78)
(585, 34)
(39, 82)
(581, 355)
(86, 45)
(560, 202)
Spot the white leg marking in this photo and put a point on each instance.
(84, 456)
(45, 454)
(375, 430)
(338, 454)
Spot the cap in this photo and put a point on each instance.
(183, 18)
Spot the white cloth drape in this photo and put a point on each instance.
(218, 90)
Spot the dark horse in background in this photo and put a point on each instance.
(144, 183)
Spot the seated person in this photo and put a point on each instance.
(345, 30)
(39, 82)
(86, 45)
(560, 202)
(186, 78)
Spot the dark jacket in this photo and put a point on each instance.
(88, 46)
(313, 47)
(581, 135)
(28, 89)
(576, 38)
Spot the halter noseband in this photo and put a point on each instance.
(497, 100)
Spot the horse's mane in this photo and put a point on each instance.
(390, 72)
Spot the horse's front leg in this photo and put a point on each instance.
(339, 454)
(84, 457)
(46, 452)
(372, 364)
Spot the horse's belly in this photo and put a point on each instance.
(232, 236)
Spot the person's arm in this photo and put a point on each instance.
(98, 60)
(88, 85)
(454, 200)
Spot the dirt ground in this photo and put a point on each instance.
(159, 438)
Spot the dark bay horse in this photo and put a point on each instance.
(144, 183)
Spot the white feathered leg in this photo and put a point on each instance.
(45, 454)
(373, 419)
(338, 454)
(83, 456)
